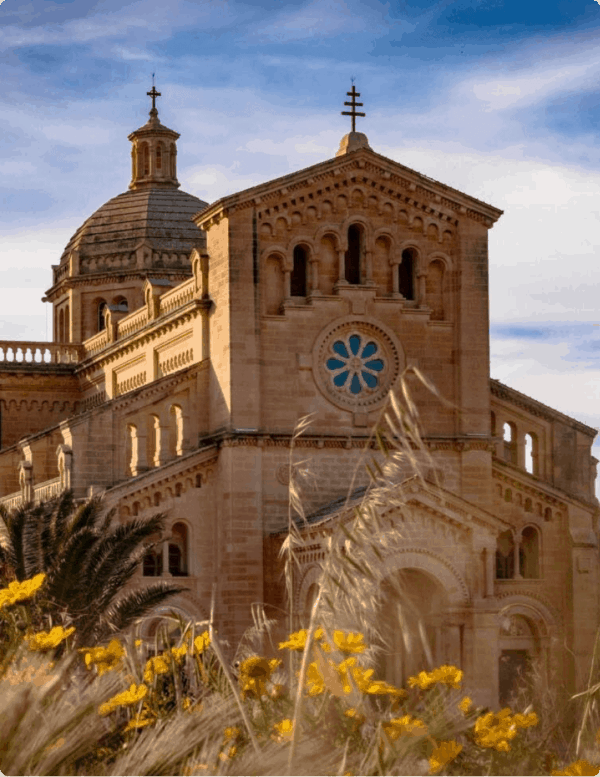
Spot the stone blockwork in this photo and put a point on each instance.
(186, 351)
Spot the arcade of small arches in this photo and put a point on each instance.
(154, 439)
(155, 158)
(518, 554)
(157, 495)
(170, 557)
(528, 504)
(522, 450)
(402, 273)
(62, 317)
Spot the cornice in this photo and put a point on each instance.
(517, 478)
(533, 406)
(400, 183)
(120, 275)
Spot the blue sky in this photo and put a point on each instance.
(498, 99)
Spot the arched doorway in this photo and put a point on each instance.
(519, 651)
(412, 608)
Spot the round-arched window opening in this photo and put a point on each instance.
(101, 323)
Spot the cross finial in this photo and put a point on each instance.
(354, 113)
(153, 94)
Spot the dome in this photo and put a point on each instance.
(156, 220)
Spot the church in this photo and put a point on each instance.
(189, 338)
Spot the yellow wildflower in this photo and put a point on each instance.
(525, 721)
(104, 658)
(495, 730)
(380, 687)
(125, 699)
(297, 640)
(355, 716)
(179, 653)
(314, 680)
(20, 591)
(405, 725)
(284, 729)
(154, 666)
(201, 642)
(447, 675)
(138, 642)
(277, 691)
(442, 754)
(46, 640)
(145, 718)
(231, 732)
(580, 768)
(254, 674)
(349, 643)
(465, 705)
(361, 676)
(229, 755)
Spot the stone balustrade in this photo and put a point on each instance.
(177, 297)
(12, 500)
(21, 352)
(132, 323)
(96, 343)
(46, 490)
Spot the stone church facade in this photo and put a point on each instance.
(190, 338)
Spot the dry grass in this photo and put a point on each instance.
(208, 716)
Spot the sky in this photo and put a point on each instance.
(496, 98)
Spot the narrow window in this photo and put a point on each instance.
(353, 254)
(146, 157)
(159, 157)
(531, 453)
(505, 556)
(178, 551)
(529, 553)
(67, 333)
(152, 566)
(493, 424)
(406, 271)
(101, 320)
(298, 278)
(61, 326)
(509, 432)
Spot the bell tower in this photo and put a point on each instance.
(153, 152)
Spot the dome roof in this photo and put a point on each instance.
(159, 217)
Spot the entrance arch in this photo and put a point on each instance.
(412, 609)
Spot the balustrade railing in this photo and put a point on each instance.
(178, 297)
(132, 323)
(20, 352)
(12, 500)
(96, 343)
(46, 490)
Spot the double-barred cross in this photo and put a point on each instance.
(354, 113)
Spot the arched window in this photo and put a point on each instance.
(173, 160)
(274, 286)
(67, 333)
(159, 157)
(406, 272)
(152, 565)
(175, 431)
(153, 441)
(354, 254)
(531, 453)
(198, 480)
(493, 423)
(434, 285)
(311, 596)
(146, 158)
(178, 551)
(298, 277)
(509, 432)
(505, 556)
(529, 553)
(157, 499)
(101, 320)
(122, 304)
(131, 450)
(61, 326)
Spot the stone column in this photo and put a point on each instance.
(368, 281)
(342, 268)
(314, 278)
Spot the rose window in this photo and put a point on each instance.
(356, 364)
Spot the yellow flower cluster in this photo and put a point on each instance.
(465, 705)
(20, 591)
(201, 642)
(283, 730)
(104, 658)
(46, 640)
(580, 768)
(179, 653)
(442, 754)
(255, 672)
(406, 725)
(495, 729)
(156, 665)
(125, 699)
(145, 718)
(348, 643)
(446, 675)
(351, 675)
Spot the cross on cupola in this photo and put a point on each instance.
(153, 94)
(354, 105)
